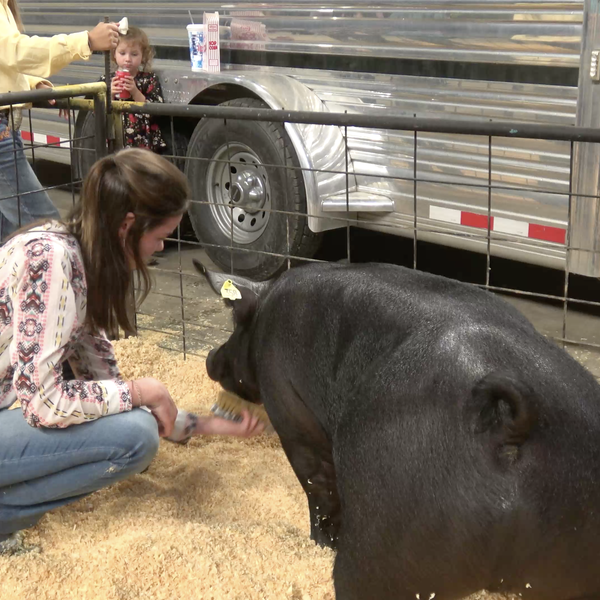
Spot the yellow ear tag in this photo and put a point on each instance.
(229, 291)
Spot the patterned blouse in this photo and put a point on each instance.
(42, 312)
(142, 131)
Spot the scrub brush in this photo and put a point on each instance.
(230, 406)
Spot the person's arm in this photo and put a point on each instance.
(249, 426)
(40, 57)
(44, 319)
(93, 357)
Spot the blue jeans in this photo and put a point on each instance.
(42, 469)
(16, 183)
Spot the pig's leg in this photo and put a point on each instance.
(407, 531)
(309, 451)
(314, 468)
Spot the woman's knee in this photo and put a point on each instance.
(141, 431)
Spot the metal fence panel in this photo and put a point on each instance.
(238, 191)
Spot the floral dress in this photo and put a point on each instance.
(142, 131)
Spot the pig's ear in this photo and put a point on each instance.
(216, 280)
(245, 307)
(240, 293)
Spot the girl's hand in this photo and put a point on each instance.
(115, 86)
(153, 394)
(128, 84)
(249, 426)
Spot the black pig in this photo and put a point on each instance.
(444, 445)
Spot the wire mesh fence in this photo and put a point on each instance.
(268, 184)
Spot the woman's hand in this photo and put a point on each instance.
(62, 112)
(105, 36)
(153, 394)
(249, 426)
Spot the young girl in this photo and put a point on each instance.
(62, 285)
(135, 54)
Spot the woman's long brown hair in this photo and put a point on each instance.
(16, 13)
(132, 181)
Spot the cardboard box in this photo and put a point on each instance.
(248, 35)
(212, 58)
(247, 30)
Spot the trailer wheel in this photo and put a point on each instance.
(85, 149)
(85, 153)
(239, 191)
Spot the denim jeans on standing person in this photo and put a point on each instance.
(33, 206)
(42, 469)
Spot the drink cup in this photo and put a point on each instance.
(121, 74)
(197, 46)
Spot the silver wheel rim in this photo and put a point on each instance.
(239, 193)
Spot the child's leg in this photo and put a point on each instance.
(42, 469)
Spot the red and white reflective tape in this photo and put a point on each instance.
(40, 138)
(498, 224)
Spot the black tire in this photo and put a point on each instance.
(247, 210)
(85, 152)
(177, 146)
(176, 141)
(85, 144)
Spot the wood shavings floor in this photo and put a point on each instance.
(220, 518)
(217, 519)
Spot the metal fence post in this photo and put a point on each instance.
(585, 204)
(116, 121)
(100, 125)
